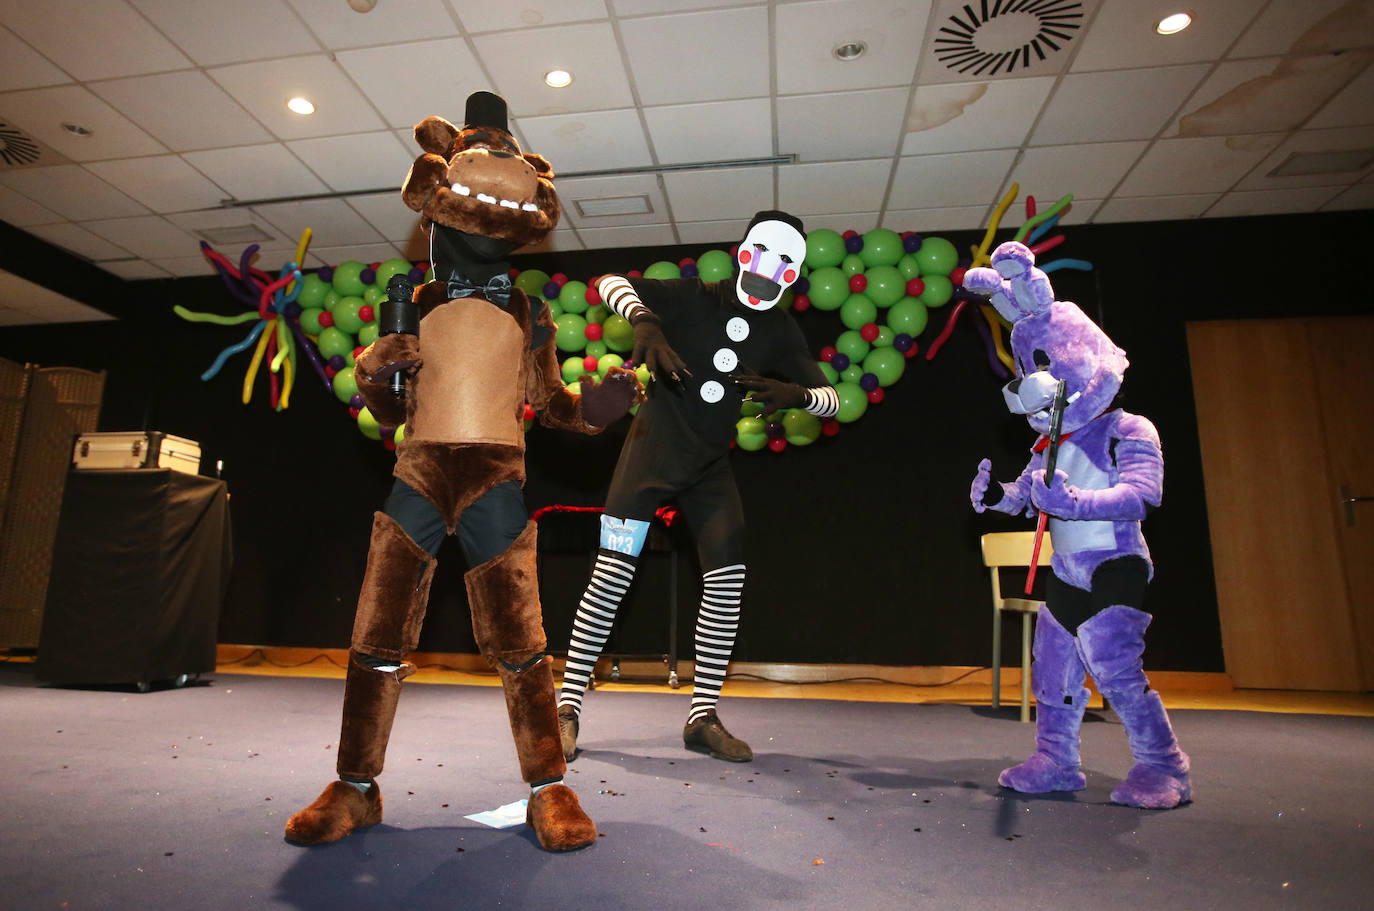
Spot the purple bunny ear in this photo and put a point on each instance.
(1026, 289)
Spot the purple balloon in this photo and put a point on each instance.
(338, 362)
(775, 430)
(840, 362)
(802, 285)
(690, 271)
(854, 243)
(293, 310)
(356, 401)
(903, 342)
(326, 274)
(416, 275)
(912, 242)
(868, 382)
(368, 276)
(551, 290)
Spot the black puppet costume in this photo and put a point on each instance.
(706, 345)
(483, 349)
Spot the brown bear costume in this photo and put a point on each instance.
(483, 350)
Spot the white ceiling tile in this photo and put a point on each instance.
(651, 7)
(42, 112)
(663, 50)
(1308, 27)
(833, 187)
(331, 222)
(222, 219)
(138, 269)
(218, 33)
(180, 266)
(1360, 196)
(80, 241)
(944, 181)
(436, 79)
(580, 195)
(807, 33)
(21, 211)
(21, 67)
(1154, 208)
(716, 131)
(363, 161)
(840, 222)
(1207, 164)
(934, 220)
(1091, 170)
(518, 61)
(485, 16)
(836, 125)
(204, 117)
(1103, 107)
(724, 233)
(558, 240)
(719, 193)
(362, 253)
(1123, 33)
(72, 192)
(1078, 212)
(389, 215)
(1349, 139)
(959, 117)
(264, 88)
(92, 39)
(1353, 106)
(596, 141)
(1272, 202)
(1267, 95)
(630, 236)
(163, 183)
(257, 172)
(11, 317)
(390, 21)
(146, 236)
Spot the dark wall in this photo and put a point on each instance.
(862, 548)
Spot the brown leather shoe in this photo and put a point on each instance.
(708, 735)
(340, 809)
(555, 815)
(567, 731)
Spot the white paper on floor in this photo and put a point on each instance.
(512, 814)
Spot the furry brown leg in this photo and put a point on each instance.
(508, 627)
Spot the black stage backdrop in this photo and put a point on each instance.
(862, 548)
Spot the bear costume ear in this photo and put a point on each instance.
(435, 134)
(541, 165)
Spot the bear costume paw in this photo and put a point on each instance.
(339, 810)
(1040, 774)
(556, 817)
(1152, 788)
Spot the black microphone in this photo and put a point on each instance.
(399, 314)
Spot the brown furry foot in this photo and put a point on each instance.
(556, 817)
(340, 809)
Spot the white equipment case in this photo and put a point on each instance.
(136, 449)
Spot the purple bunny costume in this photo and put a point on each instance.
(1109, 473)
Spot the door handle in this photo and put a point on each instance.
(1348, 501)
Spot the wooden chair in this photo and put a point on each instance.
(1012, 548)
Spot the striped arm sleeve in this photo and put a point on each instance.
(822, 401)
(621, 297)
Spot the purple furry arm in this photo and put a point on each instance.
(1137, 474)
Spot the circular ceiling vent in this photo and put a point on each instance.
(1003, 35)
(15, 147)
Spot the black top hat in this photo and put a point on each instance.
(485, 110)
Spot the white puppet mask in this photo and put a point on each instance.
(770, 259)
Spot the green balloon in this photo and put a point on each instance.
(368, 334)
(887, 364)
(824, 247)
(857, 311)
(572, 332)
(346, 314)
(937, 256)
(312, 292)
(750, 409)
(574, 388)
(617, 333)
(852, 374)
(597, 349)
(389, 268)
(882, 247)
(555, 310)
(334, 340)
(832, 376)
(429, 275)
(852, 345)
(663, 269)
(853, 402)
(532, 282)
(373, 295)
(853, 264)
(368, 425)
(310, 321)
(606, 362)
(346, 279)
(885, 285)
(909, 266)
(331, 299)
(885, 337)
(597, 314)
(715, 265)
(400, 434)
(907, 315)
(751, 434)
(829, 288)
(801, 427)
(938, 290)
(351, 358)
(345, 385)
(572, 369)
(642, 374)
(572, 297)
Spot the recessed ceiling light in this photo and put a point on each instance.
(1174, 23)
(558, 78)
(301, 105)
(76, 129)
(849, 50)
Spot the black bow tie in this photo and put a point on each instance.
(496, 290)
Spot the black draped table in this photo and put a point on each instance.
(140, 570)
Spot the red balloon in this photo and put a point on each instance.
(529, 412)
(594, 332)
(634, 273)
(830, 427)
(828, 352)
(357, 351)
(911, 352)
(366, 313)
(389, 444)
(915, 287)
(326, 319)
(685, 261)
(957, 276)
(589, 364)
(777, 444)
(559, 279)
(850, 233)
(875, 395)
(869, 332)
(593, 296)
(801, 302)
(354, 412)
(857, 283)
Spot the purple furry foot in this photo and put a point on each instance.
(1040, 774)
(1153, 788)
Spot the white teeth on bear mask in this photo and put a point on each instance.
(530, 207)
(460, 189)
(486, 198)
(506, 203)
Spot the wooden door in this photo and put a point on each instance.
(1284, 421)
